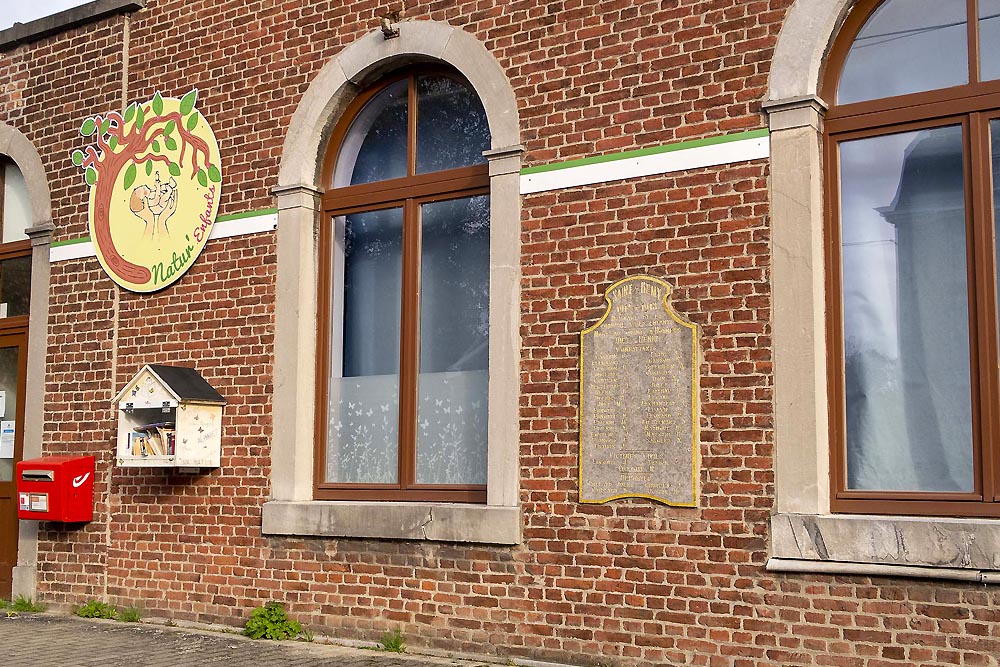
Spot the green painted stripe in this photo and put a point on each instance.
(221, 218)
(653, 150)
(247, 214)
(82, 239)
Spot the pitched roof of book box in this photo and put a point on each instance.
(186, 384)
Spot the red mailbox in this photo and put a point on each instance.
(56, 488)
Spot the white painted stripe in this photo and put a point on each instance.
(61, 253)
(557, 179)
(220, 230)
(267, 222)
(646, 165)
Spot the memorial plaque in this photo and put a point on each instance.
(638, 399)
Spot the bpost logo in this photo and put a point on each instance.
(155, 177)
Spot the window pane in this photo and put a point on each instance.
(906, 335)
(989, 39)
(995, 153)
(8, 384)
(374, 148)
(16, 207)
(907, 46)
(15, 286)
(454, 342)
(363, 404)
(451, 125)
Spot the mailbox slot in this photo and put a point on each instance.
(38, 475)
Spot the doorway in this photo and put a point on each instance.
(13, 366)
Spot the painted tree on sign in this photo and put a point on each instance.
(138, 139)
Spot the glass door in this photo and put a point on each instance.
(13, 360)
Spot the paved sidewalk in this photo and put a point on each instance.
(45, 640)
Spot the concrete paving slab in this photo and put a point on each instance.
(47, 640)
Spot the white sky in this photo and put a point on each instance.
(22, 11)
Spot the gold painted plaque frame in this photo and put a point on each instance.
(583, 444)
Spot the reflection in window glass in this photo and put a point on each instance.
(906, 335)
(454, 341)
(375, 146)
(989, 39)
(907, 46)
(15, 286)
(16, 207)
(363, 412)
(451, 125)
(995, 162)
(8, 384)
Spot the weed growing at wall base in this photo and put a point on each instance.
(22, 603)
(130, 615)
(95, 609)
(271, 622)
(393, 641)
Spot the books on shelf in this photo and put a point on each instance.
(152, 439)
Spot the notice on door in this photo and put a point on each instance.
(6, 439)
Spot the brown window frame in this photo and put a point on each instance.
(408, 193)
(972, 106)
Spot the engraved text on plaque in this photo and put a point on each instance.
(638, 398)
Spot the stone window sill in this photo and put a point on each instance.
(22, 33)
(926, 547)
(439, 522)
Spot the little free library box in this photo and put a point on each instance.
(169, 416)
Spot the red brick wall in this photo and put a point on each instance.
(626, 582)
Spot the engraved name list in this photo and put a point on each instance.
(638, 385)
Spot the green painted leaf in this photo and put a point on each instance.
(129, 176)
(113, 143)
(214, 173)
(78, 158)
(140, 118)
(168, 128)
(157, 104)
(171, 144)
(156, 146)
(187, 102)
(203, 178)
(91, 176)
(105, 126)
(149, 167)
(175, 169)
(130, 112)
(192, 121)
(88, 127)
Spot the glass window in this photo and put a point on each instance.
(907, 46)
(16, 207)
(906, 320)
(454, 341)
(405, 312)
(915, 341)
(989, 39)
(15, 260)
(451, 125)
(364, 371)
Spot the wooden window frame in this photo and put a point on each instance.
(408, 193)
(972, 106)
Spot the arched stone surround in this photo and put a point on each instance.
(292, 510)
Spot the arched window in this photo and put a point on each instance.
(912, 143)
(404, 295)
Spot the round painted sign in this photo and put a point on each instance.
(155, 176)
